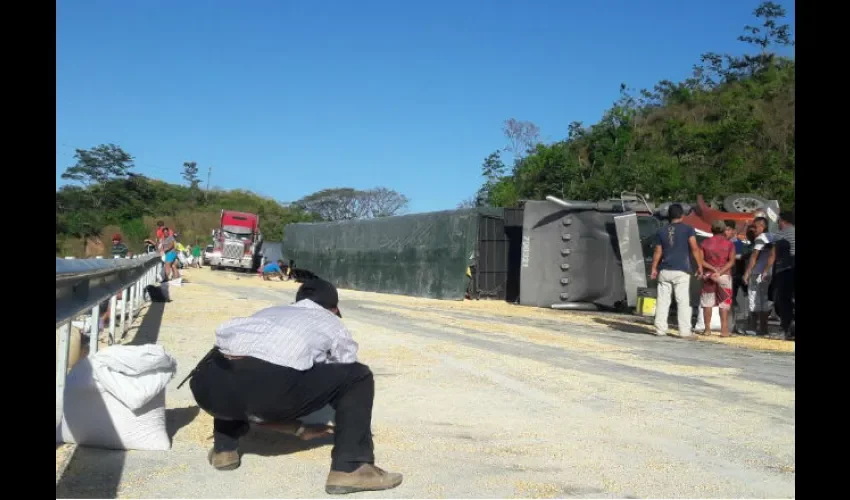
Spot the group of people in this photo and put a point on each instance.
(175, 254)
(759, 262)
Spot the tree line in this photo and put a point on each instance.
(729, 128)
(106, 196)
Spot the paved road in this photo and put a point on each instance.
(473, 403)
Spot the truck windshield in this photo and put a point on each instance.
(233, 236)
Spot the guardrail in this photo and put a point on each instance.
(82, 285)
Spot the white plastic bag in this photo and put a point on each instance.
(715, 320)
(100, 390)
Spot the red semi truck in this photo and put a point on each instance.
(237, 242)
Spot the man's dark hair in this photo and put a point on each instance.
(760, 220)
(166, 229)
(159, 223)
(675, 212)
(280, 262)
(787, 216)
(319, 291)
(730, 224)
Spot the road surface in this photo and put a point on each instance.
(484, 400)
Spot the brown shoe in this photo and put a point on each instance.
(367, 477)
(224, 460)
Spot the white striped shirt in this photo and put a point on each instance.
(296, 336)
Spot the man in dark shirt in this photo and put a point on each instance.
(671, 266)
(783, 282)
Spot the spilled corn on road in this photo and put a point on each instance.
(485, 399)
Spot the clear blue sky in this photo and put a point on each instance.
(285, 98)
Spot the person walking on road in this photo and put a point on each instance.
(284, 363)
(671, 266)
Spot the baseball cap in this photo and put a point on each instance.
(319, 291)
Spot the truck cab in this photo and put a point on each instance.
(237, 242)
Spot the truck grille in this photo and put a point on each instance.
(233, 250)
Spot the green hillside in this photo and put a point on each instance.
(729, 128)
(132, 205)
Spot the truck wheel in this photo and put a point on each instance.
(743, 203)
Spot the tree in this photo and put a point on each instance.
(190, 174)
(337, 204)
(383, 202)
(522, 136)
(99, 164)
(470, 202)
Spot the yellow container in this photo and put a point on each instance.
(645, 302)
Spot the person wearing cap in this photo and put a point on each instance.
(119, 249)
(718, 255)
(284, 363)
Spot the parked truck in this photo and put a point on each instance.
(237, 242)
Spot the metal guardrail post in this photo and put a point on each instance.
(124, 312)
(62, 367)
(95, 329)
(132, 309)
(113, 303)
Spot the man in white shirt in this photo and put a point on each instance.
(284, 363)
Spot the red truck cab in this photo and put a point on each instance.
(237, 242)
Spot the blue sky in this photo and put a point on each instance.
(288, 97)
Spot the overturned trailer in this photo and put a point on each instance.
(422, 255)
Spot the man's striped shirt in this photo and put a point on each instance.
(296, 336)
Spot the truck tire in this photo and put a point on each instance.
(741, 203)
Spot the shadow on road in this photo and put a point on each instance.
(268, 443)
(148, 330)
(177, 418)
(621, 326)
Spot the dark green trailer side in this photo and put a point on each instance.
(422, 255)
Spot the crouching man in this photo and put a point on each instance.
(284, 363)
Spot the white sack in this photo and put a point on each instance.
(133, 374)
(93, 417)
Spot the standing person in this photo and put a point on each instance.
(671, 266)
(160, 230)
(784, 270)
(196, 256)
(282, 364)
(119, 249)
(757, 277)
(718, 255)
(170, 251)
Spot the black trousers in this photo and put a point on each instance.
(237, 391)
(783, 291)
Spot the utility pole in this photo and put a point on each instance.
(209, 174)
